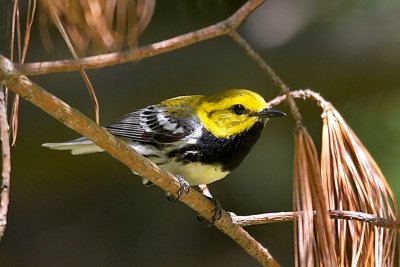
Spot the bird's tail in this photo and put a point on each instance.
(77, 147)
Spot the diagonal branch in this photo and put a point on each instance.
(106, 60)
(124, 153)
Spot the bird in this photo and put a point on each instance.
(198, 138)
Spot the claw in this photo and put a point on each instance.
(184, 188)
(217, 212)
(200, 218)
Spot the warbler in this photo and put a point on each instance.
(199, 139)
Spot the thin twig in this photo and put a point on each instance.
(365, 217)
(304, 94)
(83, 73)
(6, 160)
(259, 60)
(265, 218)
(270, 72)
(275, 217)
(106, 60)
(125, 154)
(31, 10)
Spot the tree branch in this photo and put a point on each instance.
(106, 60)
(304, 94)
(269, 72)
(124, 153)
(365, 217)
(266, 218)
(6, 166)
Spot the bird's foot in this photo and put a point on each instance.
(217, 212)
(184, 188)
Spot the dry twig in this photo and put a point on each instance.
(22, 52)
(107, 60)
(269, 72)
(83, 73)
(6, 163)
(276, 217)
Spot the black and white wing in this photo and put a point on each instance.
(150, 125)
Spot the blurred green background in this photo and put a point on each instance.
(91, 211)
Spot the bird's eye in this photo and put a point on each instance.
(238, 109)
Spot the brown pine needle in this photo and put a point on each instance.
(304, 226)
(314, 242)
(83, 73)
(22, 52)
(353, 181)
(97, 25)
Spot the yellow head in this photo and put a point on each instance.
(233, 111)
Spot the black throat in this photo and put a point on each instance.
(228, 152)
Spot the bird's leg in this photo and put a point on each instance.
(218, 208)
(205, 191)
(183, 189)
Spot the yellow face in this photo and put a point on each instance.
(230, 112)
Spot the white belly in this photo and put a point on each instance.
(195, 173)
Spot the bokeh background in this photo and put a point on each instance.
(91, 211)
